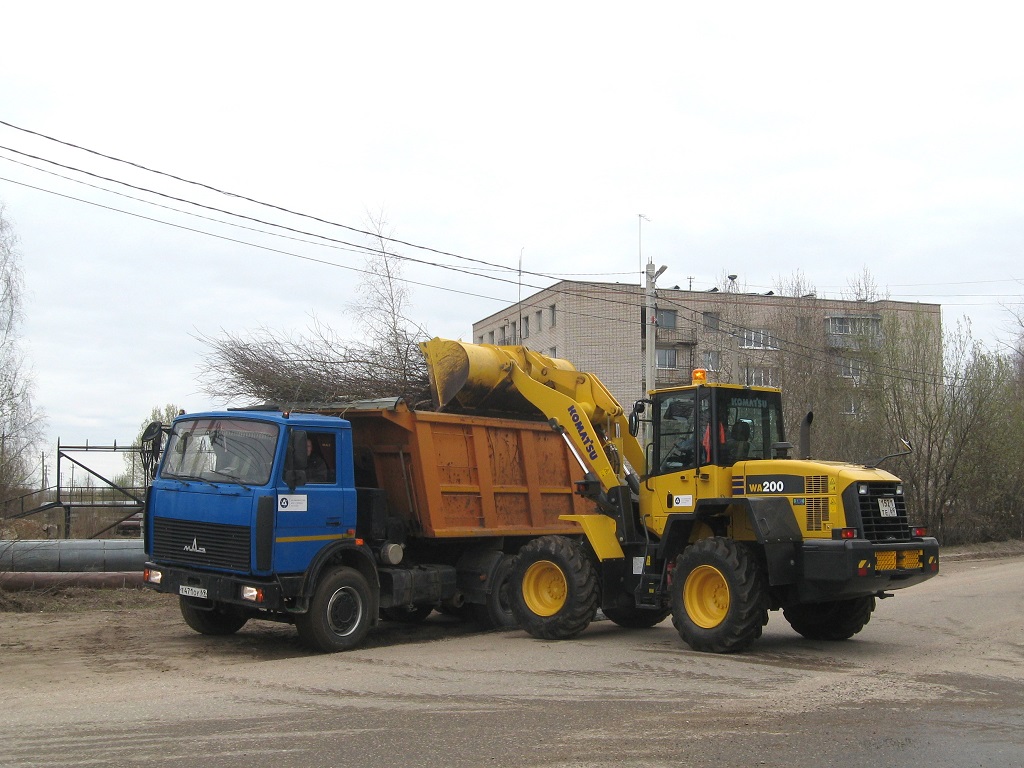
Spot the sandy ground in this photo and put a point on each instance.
(113, 677)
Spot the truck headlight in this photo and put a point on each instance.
(255, 594)
(152, 576)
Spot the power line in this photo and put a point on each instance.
(355, 248)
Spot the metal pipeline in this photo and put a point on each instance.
(71, 555)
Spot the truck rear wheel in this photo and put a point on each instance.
(554, 590)
(835, 620)
(496, 611)
(218, 619)
(339, 613)
(719, 596)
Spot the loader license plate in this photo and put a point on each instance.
(887, 506)
(191, 591)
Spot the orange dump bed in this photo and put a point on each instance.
(450, 475)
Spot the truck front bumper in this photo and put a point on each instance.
(250, 592)
(831, 570)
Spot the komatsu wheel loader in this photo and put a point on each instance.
(712, 521)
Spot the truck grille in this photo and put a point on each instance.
(881, 529)
(209, 544)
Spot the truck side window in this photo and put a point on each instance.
(320, 468)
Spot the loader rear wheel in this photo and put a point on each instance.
(636, 618)
(835, 620)
(217, 619)
(719, 596)
(553, 588)
(339, 612)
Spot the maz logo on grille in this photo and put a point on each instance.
(194, 547)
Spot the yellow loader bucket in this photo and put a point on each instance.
(475, 377)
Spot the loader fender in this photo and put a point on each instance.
(771, 519)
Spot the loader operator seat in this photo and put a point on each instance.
(738, 444)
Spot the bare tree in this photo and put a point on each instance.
(20, 421)
(135, 468)
(273, 366)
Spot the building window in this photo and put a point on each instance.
(526, 327)
(711, 321)
(513, 333)
(758, 376)
(501, 335)
(666, 358)
(490, 338)
(551, 316)
(852, 408)
(553, 352)
(850, 369)
(712, 360)
(537, 317)
(854, 326)
(758, 340)
(665, 318)
(480, 339)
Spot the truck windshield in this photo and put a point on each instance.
(221, 450)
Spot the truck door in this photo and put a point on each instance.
(314, 513)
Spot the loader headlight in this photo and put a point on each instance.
(862, 489)
(899, 489)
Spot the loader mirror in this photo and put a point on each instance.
(634, 417)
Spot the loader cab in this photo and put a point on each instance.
(713, 425)
(699, 432)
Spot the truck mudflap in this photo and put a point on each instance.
(831, 570)
(223, 588)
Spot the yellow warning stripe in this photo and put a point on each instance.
(327, 537)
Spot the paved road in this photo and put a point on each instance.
(935, 679)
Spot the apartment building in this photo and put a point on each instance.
(745, 338)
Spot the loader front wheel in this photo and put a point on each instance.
(719, 596)
(553, 588)
(835, 620)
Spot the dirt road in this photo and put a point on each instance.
(935, 678)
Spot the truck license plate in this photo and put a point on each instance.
(887, 506)
(194, 591)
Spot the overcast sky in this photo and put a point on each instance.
(759, 140)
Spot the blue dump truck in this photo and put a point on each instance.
(337, 519)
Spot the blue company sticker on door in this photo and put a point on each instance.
(291, 502)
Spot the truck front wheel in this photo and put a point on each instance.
(339, 613)
(553, 588)
(208, 618)
(835, 620)
(719, 596)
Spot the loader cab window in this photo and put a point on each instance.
(752, 421)
(675, 441)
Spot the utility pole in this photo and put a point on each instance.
(651, 334)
